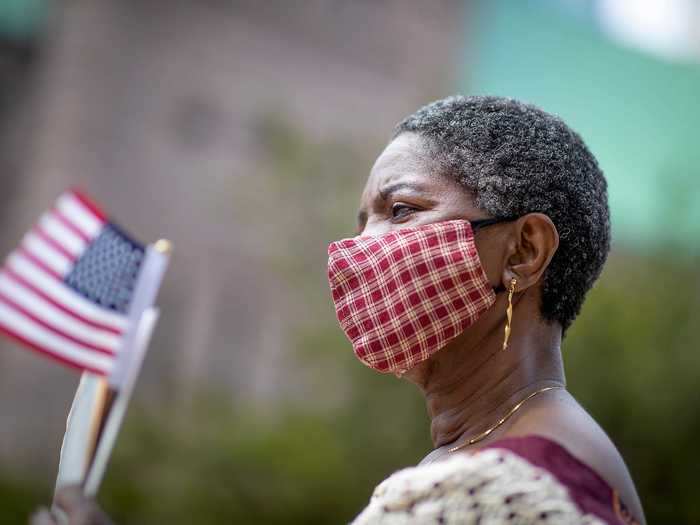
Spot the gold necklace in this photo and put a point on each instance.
(502, 420)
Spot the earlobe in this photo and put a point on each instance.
(535, 242)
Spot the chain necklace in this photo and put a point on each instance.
(512, 411)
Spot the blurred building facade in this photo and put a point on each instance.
(163, 110)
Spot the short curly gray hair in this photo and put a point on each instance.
(517, 159)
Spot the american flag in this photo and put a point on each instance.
(66, 290)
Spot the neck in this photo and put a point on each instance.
(470, 384)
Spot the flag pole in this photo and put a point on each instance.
(142, 319)
(115, 416)
(80, 439)
(109, 397)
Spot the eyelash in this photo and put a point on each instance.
(399, 205)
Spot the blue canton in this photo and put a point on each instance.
(106, 273)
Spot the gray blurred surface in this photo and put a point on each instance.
(166, 112)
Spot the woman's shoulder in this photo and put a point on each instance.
(586, 487)
(515, 480)
(564, 425)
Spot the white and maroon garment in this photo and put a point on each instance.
(402, 296)
(529, 480)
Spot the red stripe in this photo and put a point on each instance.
(53, 273)
(26, 313)
(54, 244)
(36, 291)
(68, 224)
(48, 352)
(89, 204)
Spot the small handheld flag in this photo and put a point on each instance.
(66, 290)
(81, 291)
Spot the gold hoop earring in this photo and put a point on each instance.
(509, 312)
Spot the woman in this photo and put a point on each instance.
(482, 226)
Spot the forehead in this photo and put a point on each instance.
(407, 151)
(404, 159)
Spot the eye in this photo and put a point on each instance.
(400, 210)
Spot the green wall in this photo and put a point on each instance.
(639, 115)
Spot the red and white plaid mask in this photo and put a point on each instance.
(403, 295)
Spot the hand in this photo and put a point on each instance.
(78, 509)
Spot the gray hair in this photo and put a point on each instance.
(517, 159)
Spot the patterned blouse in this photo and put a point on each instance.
(525, 480)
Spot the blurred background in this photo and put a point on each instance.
(244, 131)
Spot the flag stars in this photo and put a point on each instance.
(107, 271)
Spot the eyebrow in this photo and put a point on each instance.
(388, 190)
(384, 194)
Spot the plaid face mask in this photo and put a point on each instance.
(403, 295)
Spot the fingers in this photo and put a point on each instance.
(70, 498)
(42, 517)
(79, 509)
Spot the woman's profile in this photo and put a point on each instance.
(482, 226)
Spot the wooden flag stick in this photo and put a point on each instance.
(100, 404)
(86, 419)
(82, 425)
(104, 397)
(108, 410)
(115, 416)
(142, 317)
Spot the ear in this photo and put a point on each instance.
(533, 243)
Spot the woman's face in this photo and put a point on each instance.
(403, 190)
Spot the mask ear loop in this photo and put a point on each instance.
(483, 223)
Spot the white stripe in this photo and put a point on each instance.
(37, 334)
(64, 295)
(79, 215)
(47, 254)
(56, 317)
(62, 235)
